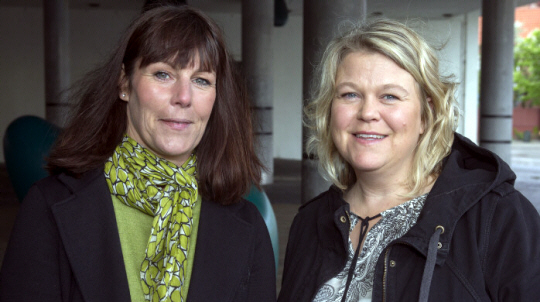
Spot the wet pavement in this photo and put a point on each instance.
(526, 164)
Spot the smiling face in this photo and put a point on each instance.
(168, 107)
(375, 118)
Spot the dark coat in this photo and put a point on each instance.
(490, 248)
(65, 247)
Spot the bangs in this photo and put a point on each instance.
(178, 40)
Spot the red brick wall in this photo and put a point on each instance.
(528, 16)
(525, 118)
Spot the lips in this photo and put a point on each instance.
(178, 124)
(369, 136)
(177, 121)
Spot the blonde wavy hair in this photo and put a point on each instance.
(411, 52)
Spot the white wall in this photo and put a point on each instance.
(288, 89)
(22, 87)
(459, 57)
(231, 25)
(471, 90)
(93, 34)
(458, 35)
(287, 69)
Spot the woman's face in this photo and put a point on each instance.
(375, 115)
(168, 108)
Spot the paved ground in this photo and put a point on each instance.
(526, 164)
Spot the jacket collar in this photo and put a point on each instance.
(331, 223)
(89, 233)
(468, 174)
(87, 226)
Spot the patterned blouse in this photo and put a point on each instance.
(394, 223)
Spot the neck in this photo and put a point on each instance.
(371, 195)
(369, 200)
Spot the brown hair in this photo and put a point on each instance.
(226, 160)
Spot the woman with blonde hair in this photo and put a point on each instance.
(416, 211)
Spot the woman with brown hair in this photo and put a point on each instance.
(145, 198)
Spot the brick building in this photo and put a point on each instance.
(527, 18)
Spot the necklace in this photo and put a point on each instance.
(363, 231)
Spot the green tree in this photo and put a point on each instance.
(527, 69)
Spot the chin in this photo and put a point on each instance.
(367, 167)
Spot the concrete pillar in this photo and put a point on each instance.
(496, 92)
(57, 73)
(321, 21)
(257, 25)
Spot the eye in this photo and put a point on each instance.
(390, 97)
(202, 82)
(348, 95)
(162, 75)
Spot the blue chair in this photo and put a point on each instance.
(261, 201)
(27, 142)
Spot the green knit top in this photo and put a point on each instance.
(134, 228)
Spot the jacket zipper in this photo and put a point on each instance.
(385, 273)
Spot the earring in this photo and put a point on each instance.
(123, 95)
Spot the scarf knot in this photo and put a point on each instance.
(167, 192)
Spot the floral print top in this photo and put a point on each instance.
(394, 223)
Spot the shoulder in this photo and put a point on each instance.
(500, 209)
(316, 214)
(326, 202)
(508, 204)
(242, 210)
(49, 189)
(239, 227)
(233, 249)
(56, 188)
(511, 245)
(505, 223)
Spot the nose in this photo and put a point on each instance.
(369, 109)
(182, 94)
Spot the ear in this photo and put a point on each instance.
(430, 103)
(123, 86)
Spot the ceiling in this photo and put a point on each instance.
(388, 8)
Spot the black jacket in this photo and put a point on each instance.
(489, 250)
(65, 247)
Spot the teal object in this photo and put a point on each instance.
(261, 201)
(27, 142)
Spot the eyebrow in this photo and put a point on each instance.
(395, 86)
(350, 84)
(385, 86)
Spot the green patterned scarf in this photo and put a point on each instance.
(159, 188)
